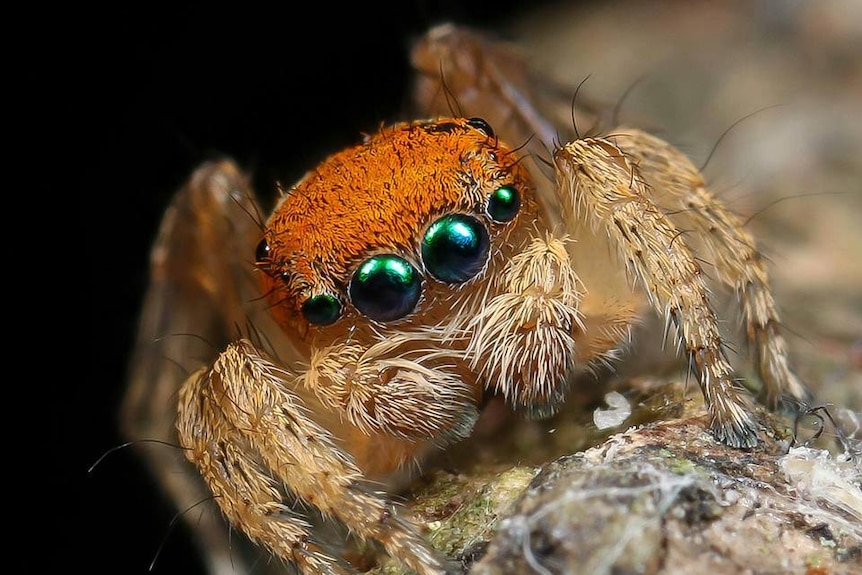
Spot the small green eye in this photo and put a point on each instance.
(322, 309)
(455, 248)
(385, 287)
(504, 203)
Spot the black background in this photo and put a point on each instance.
(136, 98)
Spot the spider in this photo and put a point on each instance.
(402, 281)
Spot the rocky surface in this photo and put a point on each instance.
(663, 499)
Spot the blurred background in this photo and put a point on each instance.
(148, 94)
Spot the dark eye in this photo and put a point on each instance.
(322, 309)
(504, 203)
(385, 287)
(261, 253)
(455, 248)
(481, 125)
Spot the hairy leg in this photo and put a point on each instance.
(200, 282)
(256, 448)
(728, 245)
(599, 185)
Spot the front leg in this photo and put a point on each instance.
(736, 261)
(599, 185)
(252, 439)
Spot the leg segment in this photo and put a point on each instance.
(255, 446)
(200, 283)
(600, 186)
(727, 244)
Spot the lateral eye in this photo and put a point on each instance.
(261, 252)
(503, 204)
(322, 309)
(481, 125)
(455, 248)
(385, 287)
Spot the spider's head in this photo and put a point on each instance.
(392, 232)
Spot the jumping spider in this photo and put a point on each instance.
(411, 275)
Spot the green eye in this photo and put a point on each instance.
(455, 248)
(322, 309)
(504, 203)
(385, 287)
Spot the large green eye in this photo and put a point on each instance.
(455, 248)
(385, 287)
(504, 203)
(322, 309)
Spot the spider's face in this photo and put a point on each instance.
(396, 232)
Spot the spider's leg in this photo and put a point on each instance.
(200, 283)
(728, 245)
(598, 184)
(250, 436)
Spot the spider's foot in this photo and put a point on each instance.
(739, 431)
